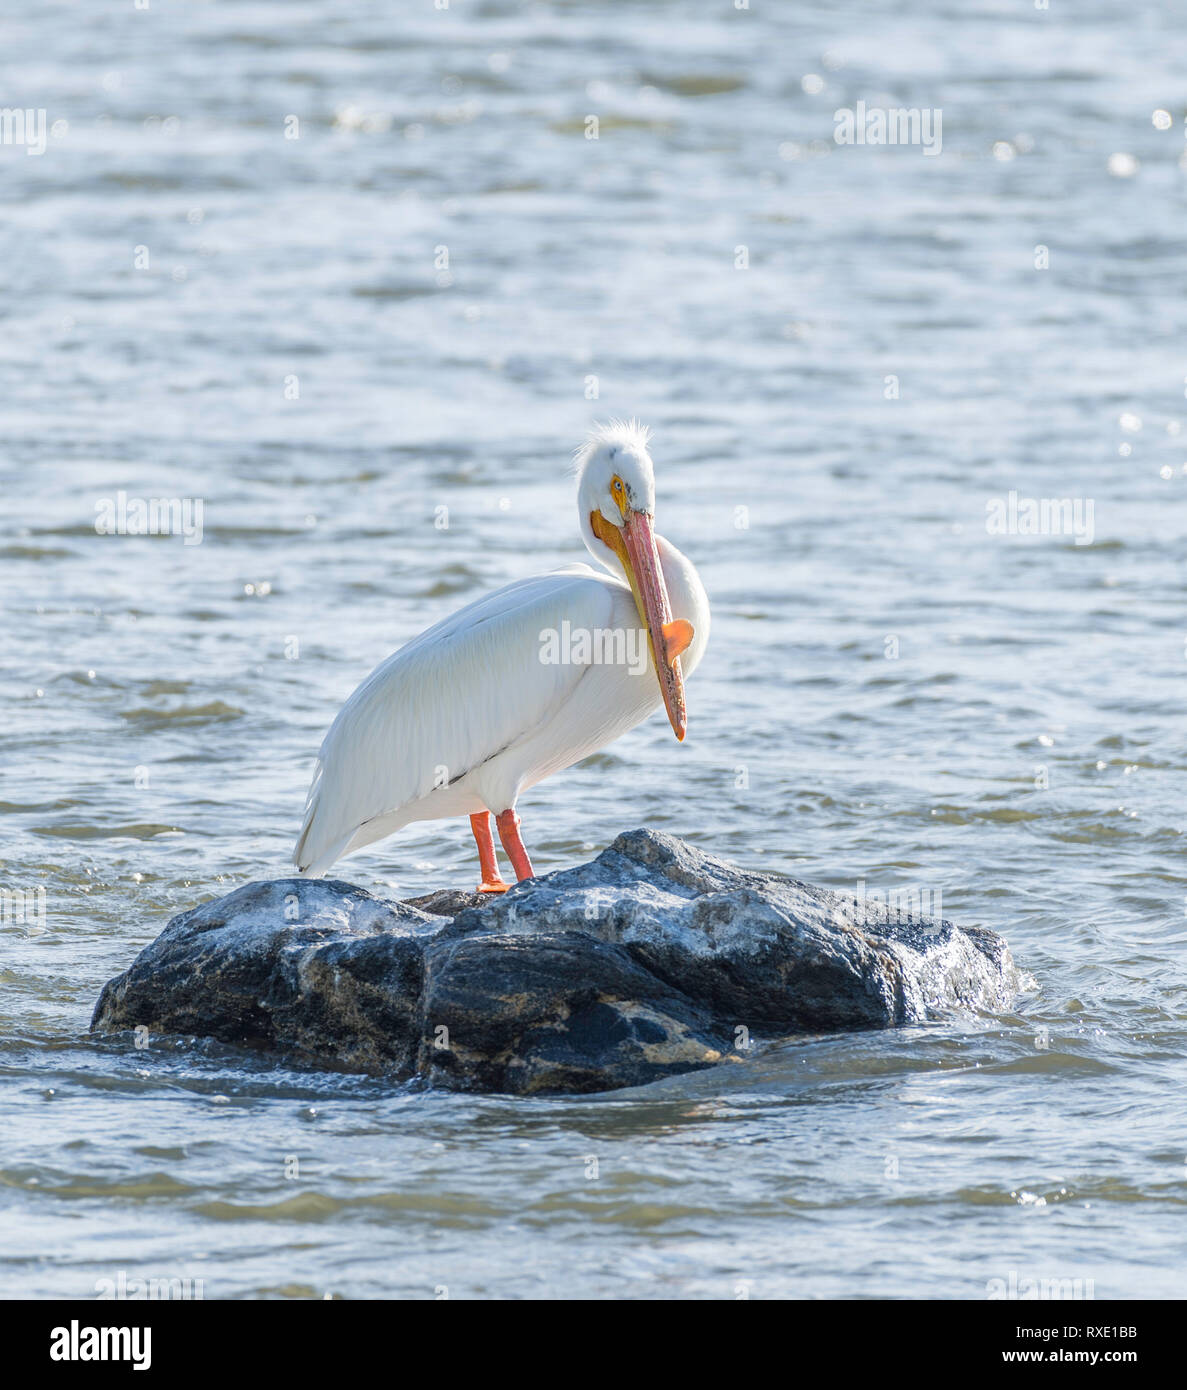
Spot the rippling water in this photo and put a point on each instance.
(891, 694)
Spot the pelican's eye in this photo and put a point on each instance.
(618, 488)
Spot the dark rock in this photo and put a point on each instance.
(655, 958)
(448, 902)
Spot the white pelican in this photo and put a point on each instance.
(520, 684)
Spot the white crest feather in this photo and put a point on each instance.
(614, 432)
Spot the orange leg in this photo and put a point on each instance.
(491, 880)
(508, 823)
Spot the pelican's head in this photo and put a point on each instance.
(614, 468)
(616, 500)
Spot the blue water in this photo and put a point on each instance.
(892, 694)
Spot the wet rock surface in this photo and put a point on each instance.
(655, 958)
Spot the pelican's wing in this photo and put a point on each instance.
(446, 702)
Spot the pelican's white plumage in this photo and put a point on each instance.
(467, 716)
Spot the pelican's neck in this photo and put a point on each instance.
(686, 593)
(600, 551)
(687, 596)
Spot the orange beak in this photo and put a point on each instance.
(634, 544)
(668, 638)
